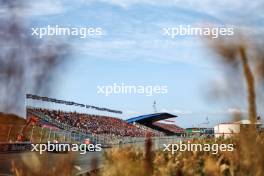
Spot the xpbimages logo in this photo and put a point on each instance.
(132, 89)
(187, 30)
(214, 148)
(60, 147)
(81, 32)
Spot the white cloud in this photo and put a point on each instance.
(50, 7)
(39, 8)
(3, 11)
(46, 7)
(153, 50)
(236, 111)
(218, 8)
(176, 111)
(229, 111)
(165, 110)
(182, 112)
(131, 112)
(208, 5)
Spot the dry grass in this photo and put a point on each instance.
(247, 159)
(35, 164)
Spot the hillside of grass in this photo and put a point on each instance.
(11, 119)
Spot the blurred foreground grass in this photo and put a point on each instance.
(245, 160)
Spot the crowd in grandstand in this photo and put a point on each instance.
(145, 128)
(94, 124)
(170, 127)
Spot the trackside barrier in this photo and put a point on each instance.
(36, 134)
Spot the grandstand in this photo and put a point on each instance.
(103, 126)
(170, 129)
(152, 121)
(150, 118)
(86, 123)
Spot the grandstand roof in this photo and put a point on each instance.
(150, 118)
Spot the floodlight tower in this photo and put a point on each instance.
(154, 107)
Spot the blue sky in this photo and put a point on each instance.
(134, 51)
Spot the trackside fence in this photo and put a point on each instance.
(36, 134)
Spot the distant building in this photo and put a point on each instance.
(229, 129)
